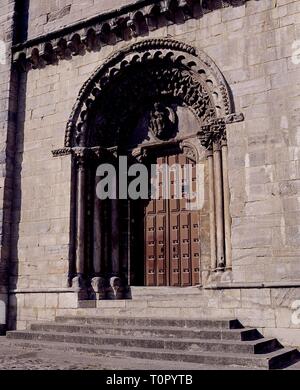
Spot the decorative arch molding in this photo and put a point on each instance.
(190, 75)
(190, 148)
(149, 73)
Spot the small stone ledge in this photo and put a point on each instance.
(41, 291)
(222, 286)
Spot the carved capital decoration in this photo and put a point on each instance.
(213, 132)
(218, 130)
(81, 156)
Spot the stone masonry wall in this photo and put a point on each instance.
(7, 114)
(48, 15)
(252, 44)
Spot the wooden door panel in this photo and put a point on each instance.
(172, 241)
(174, 250)
(150, 254)
(195, 248)
(161, 255)
(150, 208)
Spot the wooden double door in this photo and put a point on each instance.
(171, 240)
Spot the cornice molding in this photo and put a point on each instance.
(130, 21)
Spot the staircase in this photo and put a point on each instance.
(210, 342)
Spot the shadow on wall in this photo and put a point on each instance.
(12, 190)
(16, 201)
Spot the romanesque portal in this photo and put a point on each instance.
(158, 101)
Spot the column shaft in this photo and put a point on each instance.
(80, 236)
(219, 205)
(115, 266)
(97, 229)
(212, 218)
(227, 218)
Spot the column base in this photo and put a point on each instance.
(98, 285)
(2, 329)
(115, 289)
(215, 276)
(79, 286)
(227, 276)
(219, 276)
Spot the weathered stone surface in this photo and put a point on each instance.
(67, 300)
(7, 127)
(252, 44)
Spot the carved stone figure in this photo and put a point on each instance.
(162, 121)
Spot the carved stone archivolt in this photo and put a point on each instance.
(156, 71)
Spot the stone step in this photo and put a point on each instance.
(274, 360)
(222, 342)
(153, 331)
(163, 293)
(145, 301)
(263, 345)
(60, 355)
(167, 308)
(146, 321)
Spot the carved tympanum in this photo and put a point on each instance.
(115, 110)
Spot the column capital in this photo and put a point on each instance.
(212, 132)
(224, 141)
(205, 137)
(218, 129)
(81, 156)
(209, 152)
(217, 146)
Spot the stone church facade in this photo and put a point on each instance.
(209, 83)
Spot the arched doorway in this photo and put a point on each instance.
(157, 100)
